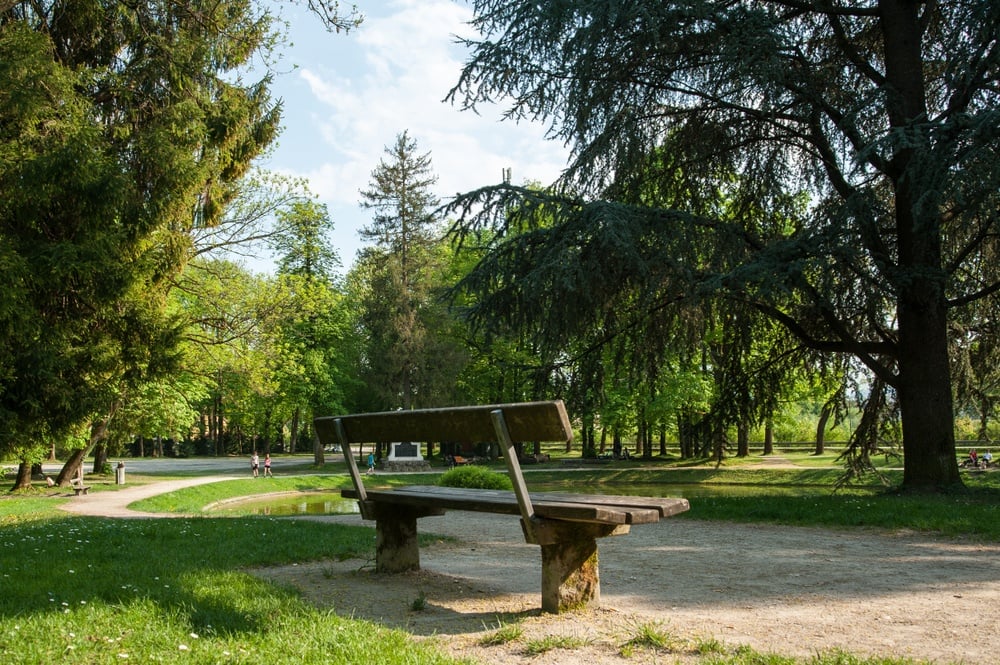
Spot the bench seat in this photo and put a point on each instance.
(595, 508)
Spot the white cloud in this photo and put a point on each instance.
(389, 76)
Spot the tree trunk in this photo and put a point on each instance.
(73, 467)
(100, 457)
(319, 459)
(742, 440)
(768, 438)
(294, 435)
(23, 479)
(267, 429)
(215, 424)
(684, 436)
(925, 401)
(985, 408)
(824, 418)
(923, 385)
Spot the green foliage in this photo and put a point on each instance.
(301, 242)
(105, 170)
(475, 476)
(504, 633)
(411, 352)
(419, 604)
(747, 656)
(542, 645)
(743, 196)
(652, 636)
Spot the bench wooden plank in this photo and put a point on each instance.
(503, 502)
(637, 510)
(665, 506)
(526, 421)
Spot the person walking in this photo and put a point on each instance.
(254, 464)
(371, 463)
(267, 466)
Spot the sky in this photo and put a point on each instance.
(348, 96)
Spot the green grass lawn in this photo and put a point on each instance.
(90, 590)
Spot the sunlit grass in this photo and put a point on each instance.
(195, 500)
(174, 590)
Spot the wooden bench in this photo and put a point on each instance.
(565, 525)
(78, 486)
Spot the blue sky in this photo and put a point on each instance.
(346, 97)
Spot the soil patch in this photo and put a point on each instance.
(793, 591)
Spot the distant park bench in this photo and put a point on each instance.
(458, 460)
(78, 486)
(565, 525)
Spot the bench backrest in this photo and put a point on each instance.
(505, 424)
(526, 421)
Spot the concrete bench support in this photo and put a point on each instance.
(396, 544)
(570, 577)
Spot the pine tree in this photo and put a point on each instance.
(400, 264)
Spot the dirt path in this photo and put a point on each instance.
(115, 504)
(794, 591)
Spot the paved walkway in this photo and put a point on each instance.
(115, 504)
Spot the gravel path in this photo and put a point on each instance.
(115, 504)
(788, 590)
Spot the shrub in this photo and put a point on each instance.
(477, 477)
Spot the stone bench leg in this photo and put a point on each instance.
(570, 577)
(396, 546)
(570, 574)
(396, 549)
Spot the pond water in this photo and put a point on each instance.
(331, 503)
(303, 503)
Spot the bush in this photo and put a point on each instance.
(476, 477)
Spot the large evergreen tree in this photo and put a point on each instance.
(399, 265)
(122, 128)
(883, 114)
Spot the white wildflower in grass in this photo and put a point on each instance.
(193, 636)
(123, 655)
(183, 647)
